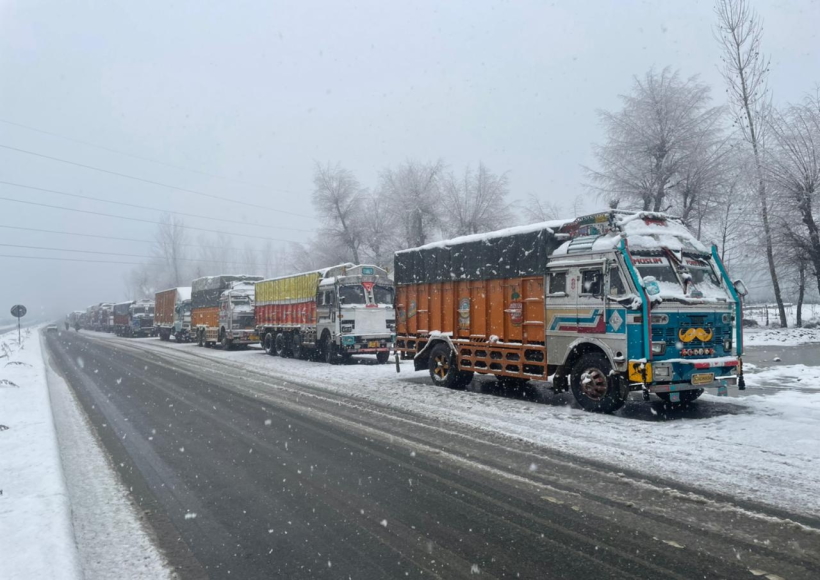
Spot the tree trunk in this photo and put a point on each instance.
(814, 237)
(801, 291)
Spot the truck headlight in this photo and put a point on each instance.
(658, 347)
(662, 372)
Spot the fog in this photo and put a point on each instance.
(249, 95)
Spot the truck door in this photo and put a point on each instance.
(561, 318)
(589, 298)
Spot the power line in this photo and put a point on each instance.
(194, 191)
(126, 204)
(72, 260)
(141, 158)
(125, 255)
(43, 231)
(122, 217)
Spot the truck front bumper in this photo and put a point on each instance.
(677, 375)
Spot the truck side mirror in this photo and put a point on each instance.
(740, 287)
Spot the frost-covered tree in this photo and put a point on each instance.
(413, 189)
(379, 230)
(660, 146)
(171, 250)
(793, 169)
(746, 71)
(338, 197)
(475, 202)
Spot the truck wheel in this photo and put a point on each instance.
(383, 356)
(331, 352)
(227, 343)
(267, 344)
(297, 349)
(686, 397)
(593, 387)
(444, 370)
(281, 345)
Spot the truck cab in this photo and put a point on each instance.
(141, 318)
(182, 320)
(636, 302)
(356, 311)
(236, 316)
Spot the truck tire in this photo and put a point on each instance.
(281, 346)
(686, 397)
(227, 343)
(267, 344)
(383, 357)
(444, 370)
(593, 387)
(297, 349)
(331, 352)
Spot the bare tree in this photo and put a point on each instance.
(746, 71)
(337, 197)
(793, 167)
(476, 202)
(538, 210)
(662, 134)
(413, 190)
(379, 225)
(171, 240)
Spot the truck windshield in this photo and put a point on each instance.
(353, 294)
(382, 295)
(139, 310)
(704, 278)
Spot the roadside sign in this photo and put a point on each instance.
(18, 311)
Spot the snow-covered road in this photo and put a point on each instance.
(762, 447)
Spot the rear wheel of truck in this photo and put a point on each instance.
(593, 387)
(383, 357)
(686, 397)
(297, 349)
(444, 370)
(267, 344)
(280, 345)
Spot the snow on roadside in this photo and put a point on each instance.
(792, 377)
(760, 447)
(35, 513)
(780, 336)
(111, 539)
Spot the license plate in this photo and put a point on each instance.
(373, 344)
(703, 378)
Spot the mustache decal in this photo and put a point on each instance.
(691, 334)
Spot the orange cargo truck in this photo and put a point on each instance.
(604, 304)
(222, 310)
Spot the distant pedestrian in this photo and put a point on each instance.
(67, 326)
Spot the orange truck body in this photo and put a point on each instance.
(207, 316)
(502, 322)
(164, 310)
(485, 295)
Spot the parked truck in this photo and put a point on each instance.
(172, 314)
(331, 313)
(607, 303)
(122, 319)
(222, 310)
(134, 318)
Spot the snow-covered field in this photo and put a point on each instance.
(37, 539)
(768, 336)
(762, 446)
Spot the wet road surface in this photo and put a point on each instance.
(243, 475)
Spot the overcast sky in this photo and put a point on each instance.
(256, 91)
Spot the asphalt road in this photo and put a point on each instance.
(243, 475)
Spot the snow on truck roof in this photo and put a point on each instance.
(552, 226)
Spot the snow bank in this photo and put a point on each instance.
(780, 336)
(36, 536)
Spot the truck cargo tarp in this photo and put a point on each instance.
(298, 288)
(517, 254)
(205, 292)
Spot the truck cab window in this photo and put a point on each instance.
(616, 284)
(558, 282)
(591, 282)
(382, 295)
(353, 294)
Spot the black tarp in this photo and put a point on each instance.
(510, 256)
(205, 292)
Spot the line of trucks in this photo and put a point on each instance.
(601, 306)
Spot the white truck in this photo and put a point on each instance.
(330, 314)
